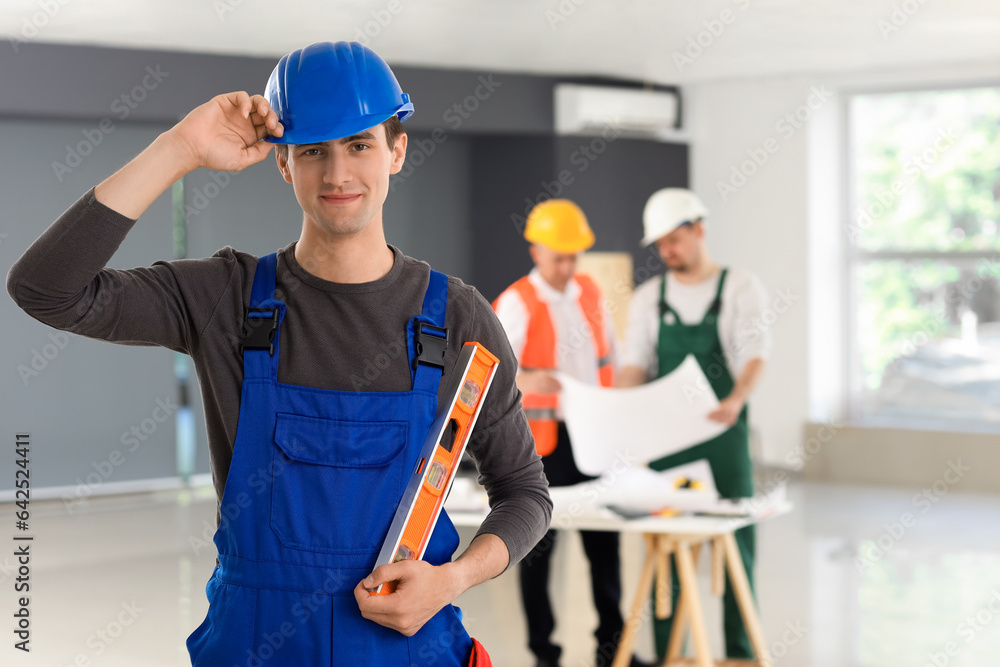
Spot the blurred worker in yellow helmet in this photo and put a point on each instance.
(556, 321)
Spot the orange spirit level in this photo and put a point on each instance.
(431, 479)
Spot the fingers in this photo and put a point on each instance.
(722, 416)
(262, 130)
(389, 611)
(247, 104)
(410, 606)
(263, 117)
(239, 99)
(384, 573)
(259, 105)
(258, 151)
(260, 114)
(265, 123)
(361, 594)
(383, 609)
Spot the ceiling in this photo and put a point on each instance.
(636, 39)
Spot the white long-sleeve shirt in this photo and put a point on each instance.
(575, 349)
(744, 323)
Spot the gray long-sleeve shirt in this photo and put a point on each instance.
(336, 336)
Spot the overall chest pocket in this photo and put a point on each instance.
(336, 483)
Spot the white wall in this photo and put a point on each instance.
(783, 223)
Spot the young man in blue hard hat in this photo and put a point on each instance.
(309, 453)
(555, 320)
(713, 313)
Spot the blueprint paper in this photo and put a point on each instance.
(634, 426)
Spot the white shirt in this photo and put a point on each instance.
(576, 353)
(744, 323)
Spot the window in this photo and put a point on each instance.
(924, 257)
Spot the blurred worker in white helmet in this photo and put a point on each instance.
(715, 314)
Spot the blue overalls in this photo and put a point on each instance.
(315, 479)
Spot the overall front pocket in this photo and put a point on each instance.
(336, 483)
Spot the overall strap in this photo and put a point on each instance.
(664, 306)
(713, 310)
(264, 279)
(427, 337)
(259, 333)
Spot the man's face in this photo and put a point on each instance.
(682, 248)
(557, 268)
(342, 184)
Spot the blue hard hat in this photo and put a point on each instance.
(330, 91)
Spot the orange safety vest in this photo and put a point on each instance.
(540, 353)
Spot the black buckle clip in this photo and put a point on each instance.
(430, 346)
(258, 332)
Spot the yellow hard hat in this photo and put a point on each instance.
(559, 224)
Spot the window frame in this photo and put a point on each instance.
(854, 257)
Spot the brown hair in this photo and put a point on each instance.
(393, 128)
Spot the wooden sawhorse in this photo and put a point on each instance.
(686, 549)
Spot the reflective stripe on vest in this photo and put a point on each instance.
(538, 414)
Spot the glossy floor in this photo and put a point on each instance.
(854, 576)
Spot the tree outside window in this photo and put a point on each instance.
(924, 257)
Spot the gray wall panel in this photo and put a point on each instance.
(427, 212)
(90, 392)
(509, 174)
(253, 210)
(611, 181)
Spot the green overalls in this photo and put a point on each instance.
(728, 453)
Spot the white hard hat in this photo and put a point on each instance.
(667, 210)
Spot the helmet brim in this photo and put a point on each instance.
(650, 240)
(566, 248)
(339, 128)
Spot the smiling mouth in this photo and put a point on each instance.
(340, 199)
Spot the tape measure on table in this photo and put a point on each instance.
(688, 483)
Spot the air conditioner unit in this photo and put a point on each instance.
(633, 111)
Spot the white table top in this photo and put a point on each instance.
(599, 518)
